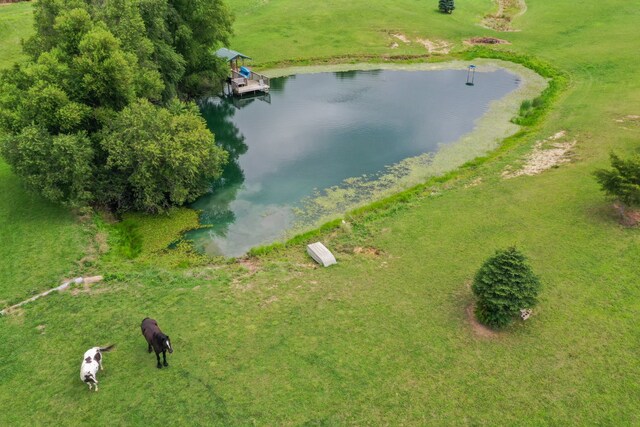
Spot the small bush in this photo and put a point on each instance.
(623, 181)
(446, 6)
(526, 105)
(537, 102)
(504, 284)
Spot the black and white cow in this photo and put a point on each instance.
(91, 362)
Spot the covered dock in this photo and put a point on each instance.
(242, 80)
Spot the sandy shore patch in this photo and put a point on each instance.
(546, 154)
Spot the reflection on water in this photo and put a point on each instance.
(315, 130)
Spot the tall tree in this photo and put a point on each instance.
(197, 25)
(157, 157)
(92, 62)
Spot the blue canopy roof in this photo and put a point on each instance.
(229, 54)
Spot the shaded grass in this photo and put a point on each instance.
(40, 242)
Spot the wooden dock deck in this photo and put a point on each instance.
(240, 84)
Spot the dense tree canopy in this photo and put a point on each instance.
(94, 115)
(157, 156)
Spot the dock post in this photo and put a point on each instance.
(471, 74)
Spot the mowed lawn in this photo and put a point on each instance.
(382, 337)
(15, 25)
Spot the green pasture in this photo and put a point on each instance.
(41, 243)
(382, 338)
(15, 24)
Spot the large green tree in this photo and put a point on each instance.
(157, 157)
(92, 64)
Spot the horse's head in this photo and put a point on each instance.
(164, 341)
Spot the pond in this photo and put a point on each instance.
(314, 132)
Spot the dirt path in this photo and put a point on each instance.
(507, 11)
(63, 287)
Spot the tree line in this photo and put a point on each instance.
(98, 115)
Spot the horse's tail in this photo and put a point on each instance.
(107, 348)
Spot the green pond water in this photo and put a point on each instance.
(314, 131)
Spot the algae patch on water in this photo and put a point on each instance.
(493, 127)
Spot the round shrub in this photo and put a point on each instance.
(504, 284)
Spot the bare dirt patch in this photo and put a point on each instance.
(87, 286)
(367, 251)
(242, 282)
(629, 122)
(440, 47)
(269, 301)
(239, 285)
(404, 39)
(251, 264)
(478, 328)
(434, 47)
(485, 40)
(13, 311)
(507, 10)
(546, 154)
(629, 217)
(474, 183)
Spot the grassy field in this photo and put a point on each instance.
(382, 337)
(15, 24)
(40, 242)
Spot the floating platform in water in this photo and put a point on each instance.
(321, 254)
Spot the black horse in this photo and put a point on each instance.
(156, 339)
